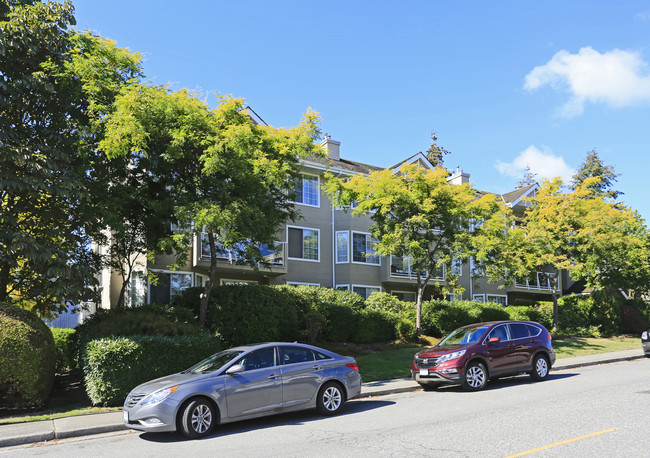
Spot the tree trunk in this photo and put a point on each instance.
(212, 272)
(555, 310)
(4, 282)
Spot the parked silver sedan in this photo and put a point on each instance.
(242, 383)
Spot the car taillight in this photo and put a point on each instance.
(353, 366)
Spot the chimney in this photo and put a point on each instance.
(459, 177)
(332, 147)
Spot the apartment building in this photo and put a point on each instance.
(328, 247)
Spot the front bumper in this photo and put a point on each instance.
(646, 347)
(436, 377)
(160, 417)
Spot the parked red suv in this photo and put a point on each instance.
(473, 354)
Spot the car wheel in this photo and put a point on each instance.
(330, 399)
(429, 386)
(540, 368)
(476, 377)
(197, 418)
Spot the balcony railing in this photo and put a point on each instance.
(273, 256)
(402, 266)
(540, 281)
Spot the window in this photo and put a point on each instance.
(292, 355)
(200, 280)
(457, 267)
(362, 249)
(169, 284)
(404, 296)
(478, 297)
(365, 291)
(298, 283)
(273, 254)
(501, 332)
(303, 243)
(259, 359)
(137, 289)
(343, 287)
(499, 299)
(519, 331)
(342, 247)
(226, 281)
(307, 190)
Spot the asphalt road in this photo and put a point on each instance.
(591, 411)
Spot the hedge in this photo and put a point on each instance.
(113, 366)
(65, 341)
(27, 358)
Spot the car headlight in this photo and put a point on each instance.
(158, 396)
(450, 356)
(644, 336)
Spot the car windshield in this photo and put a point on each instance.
(464, 336)
(214, 362)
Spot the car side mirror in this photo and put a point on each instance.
(235, 369)
(494, 340)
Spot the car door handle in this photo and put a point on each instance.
(273, 376)
(317, 367)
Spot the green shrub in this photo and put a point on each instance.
(388, 302)
(65, 342)
(530, 313)
(113, 366)
(243, 314)
(375, 326)
(342, 323)
(439, 318)
(27, 358)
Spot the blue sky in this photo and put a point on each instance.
(504, 84)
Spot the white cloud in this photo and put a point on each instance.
(616, 78)
(643, 16)
(543, 163)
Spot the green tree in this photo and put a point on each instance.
(594, 239)
(529, 178)
(435, 153)
(416, 213)
(217, 172)
(593, 166)
(48, 204)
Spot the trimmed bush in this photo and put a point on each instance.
(439, 318)
(65, 342)
(375, 326)
(113, 366)
(342, 323)
(243, 314)
(27, 358)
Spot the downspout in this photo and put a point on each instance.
(333, 250)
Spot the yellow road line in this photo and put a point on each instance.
(546, 447)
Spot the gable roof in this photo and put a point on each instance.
(512, 198)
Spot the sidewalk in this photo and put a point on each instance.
(83, 425)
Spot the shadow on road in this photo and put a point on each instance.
(287, 419)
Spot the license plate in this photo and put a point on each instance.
(126, 416)
(424, 372)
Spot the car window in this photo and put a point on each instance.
(501, 332)
(290, 355)
(259, 359)
(462, 336)
(519, 331)
(320, 356)
(533, 330)
(214, 362)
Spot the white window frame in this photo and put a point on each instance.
(139, 280)
(171, 272)
(347, 251)
(378, 288)
(303, 247)
(233, 281)
(345, 287)
(475, 298)
(302, 177)
(488, 296)
(298, 283)
(365, 263)
(204, 278)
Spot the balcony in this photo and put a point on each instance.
(539, 281)
(274, 257)
(401, 267)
